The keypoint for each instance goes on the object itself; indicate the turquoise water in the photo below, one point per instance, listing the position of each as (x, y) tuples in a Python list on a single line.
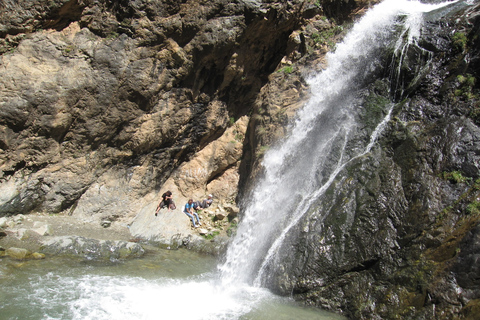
[(165, 284)]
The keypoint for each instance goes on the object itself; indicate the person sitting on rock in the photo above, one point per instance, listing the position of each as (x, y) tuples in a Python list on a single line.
[(190, 213), (167, 201), (204, 204)]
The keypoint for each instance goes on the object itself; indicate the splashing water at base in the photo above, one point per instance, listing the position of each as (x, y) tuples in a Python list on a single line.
[(166, 285)]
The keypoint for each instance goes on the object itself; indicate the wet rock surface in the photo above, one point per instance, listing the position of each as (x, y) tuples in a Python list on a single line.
[(396, 233)]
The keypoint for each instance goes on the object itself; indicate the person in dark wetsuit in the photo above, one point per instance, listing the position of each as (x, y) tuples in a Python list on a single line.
[(167, 201)]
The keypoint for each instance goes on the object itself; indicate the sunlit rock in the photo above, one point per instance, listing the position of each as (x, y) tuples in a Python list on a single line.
[(3, 222), (17, 253), (42, 229), (92, 249), (202, 231), (38, 256), (232, 209), (220, 215)]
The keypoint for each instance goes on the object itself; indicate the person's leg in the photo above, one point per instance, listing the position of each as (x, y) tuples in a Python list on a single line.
[(159, 207), (191, 217), (196, 215)]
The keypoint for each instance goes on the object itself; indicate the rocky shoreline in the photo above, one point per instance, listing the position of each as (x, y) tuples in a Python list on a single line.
[(38, 233), (36, 236)]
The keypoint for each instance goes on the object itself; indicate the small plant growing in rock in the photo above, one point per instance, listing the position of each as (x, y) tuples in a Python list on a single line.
[(440, 216), (475, 113), (68, 49), (459, 40), (212, 235), (112, 35), (261, 151), (467, 82), (476, 184), (454, 176), (286, 69), (474, 208), (327, 36), (239, 137)]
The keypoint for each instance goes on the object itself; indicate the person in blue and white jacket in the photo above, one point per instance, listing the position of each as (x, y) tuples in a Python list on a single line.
[(189, 211)]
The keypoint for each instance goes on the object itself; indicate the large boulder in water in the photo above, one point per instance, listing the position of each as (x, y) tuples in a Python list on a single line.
[(92, 249)]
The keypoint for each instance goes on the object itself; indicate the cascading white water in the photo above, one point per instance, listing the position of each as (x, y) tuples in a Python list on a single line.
[(320, 141)]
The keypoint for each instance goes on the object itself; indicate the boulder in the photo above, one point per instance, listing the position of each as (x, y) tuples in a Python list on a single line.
[(17, 253), (167, 228), (18, 219), (220, 215), (232, 209), (42, 229), (22, 234), (38, 256), (202, 231), (3, 222), (92, 249)]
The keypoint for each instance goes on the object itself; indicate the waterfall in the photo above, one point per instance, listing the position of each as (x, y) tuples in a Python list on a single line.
[(326, 135)]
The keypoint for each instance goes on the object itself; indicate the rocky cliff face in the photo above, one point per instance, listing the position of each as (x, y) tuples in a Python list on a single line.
[(106, 104), (103, 101)]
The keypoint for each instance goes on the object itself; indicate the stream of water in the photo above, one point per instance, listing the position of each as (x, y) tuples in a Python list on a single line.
[(181, 284)]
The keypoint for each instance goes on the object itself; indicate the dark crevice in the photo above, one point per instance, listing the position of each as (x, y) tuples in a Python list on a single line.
[(218, 174), (71, 201), (18, 166), (61, 18), (365, 265)]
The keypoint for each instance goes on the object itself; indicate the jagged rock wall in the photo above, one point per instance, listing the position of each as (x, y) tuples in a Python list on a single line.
[(110, 98)]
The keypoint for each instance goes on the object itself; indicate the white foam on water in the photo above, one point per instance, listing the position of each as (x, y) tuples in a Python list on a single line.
[(103, 297)]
